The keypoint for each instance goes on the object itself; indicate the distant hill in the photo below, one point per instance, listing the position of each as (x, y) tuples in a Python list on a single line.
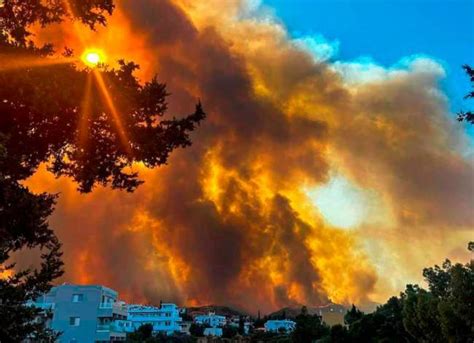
[(220, 310), (332, 313)]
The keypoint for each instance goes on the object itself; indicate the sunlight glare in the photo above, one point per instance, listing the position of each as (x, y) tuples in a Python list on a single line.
[(92, 58), (341, 203)]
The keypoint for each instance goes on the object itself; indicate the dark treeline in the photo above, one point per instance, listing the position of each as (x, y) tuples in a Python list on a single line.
[(468, 116)]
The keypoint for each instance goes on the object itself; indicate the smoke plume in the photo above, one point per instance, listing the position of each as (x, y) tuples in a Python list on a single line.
[(231, 220)]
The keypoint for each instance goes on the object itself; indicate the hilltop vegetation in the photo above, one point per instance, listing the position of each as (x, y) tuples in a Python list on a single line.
[(442, 313), (331, 314), (217, 309)]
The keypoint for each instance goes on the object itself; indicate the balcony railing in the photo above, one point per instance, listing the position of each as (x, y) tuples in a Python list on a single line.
[(103, 327), (117, 307), (116, 326), (105, 305)]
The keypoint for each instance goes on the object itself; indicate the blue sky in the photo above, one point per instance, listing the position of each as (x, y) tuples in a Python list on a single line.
[(388, 30)]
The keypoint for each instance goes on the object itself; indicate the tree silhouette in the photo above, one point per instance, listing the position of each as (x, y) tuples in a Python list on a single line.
[(443, 313), (196, 330), (50, 113), (17, 16), (353, 315), (469, 115), (309, 327), (143, 334)]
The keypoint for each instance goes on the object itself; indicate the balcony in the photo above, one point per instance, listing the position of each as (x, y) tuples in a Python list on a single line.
[(121, 326), (103, 327), (117, 326), (105, 332), (106, 305), (108, 309)]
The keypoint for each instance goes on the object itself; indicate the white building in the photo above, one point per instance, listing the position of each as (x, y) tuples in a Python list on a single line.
[(279, 325), (164, 319), (216, 332), (211, 319)]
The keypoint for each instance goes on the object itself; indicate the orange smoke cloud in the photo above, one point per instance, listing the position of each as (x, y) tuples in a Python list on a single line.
[(229, 220)]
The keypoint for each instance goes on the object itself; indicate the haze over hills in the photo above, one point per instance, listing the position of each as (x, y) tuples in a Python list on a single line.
[(332, 313), (217, 309)]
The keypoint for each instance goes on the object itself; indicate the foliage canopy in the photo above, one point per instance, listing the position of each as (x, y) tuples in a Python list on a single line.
[(50, 113)]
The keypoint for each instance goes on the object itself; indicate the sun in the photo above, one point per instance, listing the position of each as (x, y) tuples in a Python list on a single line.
[(92, 57)]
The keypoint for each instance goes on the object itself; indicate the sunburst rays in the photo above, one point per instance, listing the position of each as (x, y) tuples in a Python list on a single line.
[(12, 61), (92, 59), (116, 118), (85, 112)]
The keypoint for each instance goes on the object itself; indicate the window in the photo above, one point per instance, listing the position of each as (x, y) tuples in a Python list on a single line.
[(77, 298), (74, 321)]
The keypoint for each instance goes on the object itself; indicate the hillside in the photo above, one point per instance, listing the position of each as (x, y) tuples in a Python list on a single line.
[(332, 313), (220, 310)]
